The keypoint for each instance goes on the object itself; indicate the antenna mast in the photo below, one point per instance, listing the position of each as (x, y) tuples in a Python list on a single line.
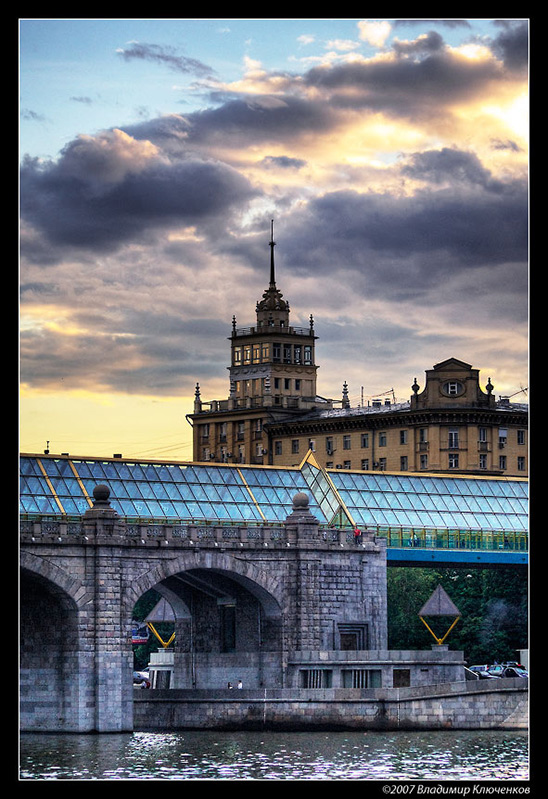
[(272, 245)]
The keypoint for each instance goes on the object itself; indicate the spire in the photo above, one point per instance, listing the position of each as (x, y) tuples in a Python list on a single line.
[(272, 301), (272, 244)]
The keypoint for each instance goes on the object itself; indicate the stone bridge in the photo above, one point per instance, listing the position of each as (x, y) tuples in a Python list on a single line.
[(246, 602)]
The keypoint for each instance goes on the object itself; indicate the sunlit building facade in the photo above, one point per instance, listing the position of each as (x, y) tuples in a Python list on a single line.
[(274, 416)]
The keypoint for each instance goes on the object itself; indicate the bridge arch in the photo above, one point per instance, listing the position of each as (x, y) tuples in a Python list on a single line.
[(51, 626), (228, 620), (265, 588), (67, 586)]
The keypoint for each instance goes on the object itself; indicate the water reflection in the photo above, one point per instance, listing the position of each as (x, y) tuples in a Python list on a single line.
[(276, 756)]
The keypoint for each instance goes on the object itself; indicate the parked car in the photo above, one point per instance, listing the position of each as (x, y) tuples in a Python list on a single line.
[(514, 671), (501, 669), (483, 672), (141, 679)]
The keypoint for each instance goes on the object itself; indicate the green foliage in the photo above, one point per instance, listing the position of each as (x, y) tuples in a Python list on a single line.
[(144, 605), (492, 603)]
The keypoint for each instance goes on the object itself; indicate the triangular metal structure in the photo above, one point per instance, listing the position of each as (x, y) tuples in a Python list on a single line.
[(439, 604), (162, 611)]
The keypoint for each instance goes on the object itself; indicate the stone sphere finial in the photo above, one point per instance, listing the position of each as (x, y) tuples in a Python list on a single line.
[(101, 493), (300, 501)]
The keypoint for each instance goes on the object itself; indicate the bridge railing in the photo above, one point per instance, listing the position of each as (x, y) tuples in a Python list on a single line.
[(63, 528)]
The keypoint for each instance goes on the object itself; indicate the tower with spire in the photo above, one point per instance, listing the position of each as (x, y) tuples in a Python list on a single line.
[(272, 376)]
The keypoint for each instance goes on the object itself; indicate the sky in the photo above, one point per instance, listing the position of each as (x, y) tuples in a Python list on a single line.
[(391, 154)]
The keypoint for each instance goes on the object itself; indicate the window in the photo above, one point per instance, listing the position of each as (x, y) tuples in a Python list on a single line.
[(365, 440), (256, 353), (237, 356), (308, 355), (297, 353), (247, 354), (241, 431), (346, 442), (424, 462), (361, 678), (453, 460), (452, 388), (503, 436), (329, 445), (347, 465), (312, 444), (277, 447), (297, 385), (483, 461), (287, 383), (401, 678), (287, 353), (266, 352), (382, 439), (521, 463), (453, 441), (482, 434), (521, 436), (403, 463), (295, 446), (365, 464), (277, 353), (423, 435), (316, 678), (403, 436), (382, 464), (502, 461)]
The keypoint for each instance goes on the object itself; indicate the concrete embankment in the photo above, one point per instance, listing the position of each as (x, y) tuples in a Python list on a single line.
[(489, 704)]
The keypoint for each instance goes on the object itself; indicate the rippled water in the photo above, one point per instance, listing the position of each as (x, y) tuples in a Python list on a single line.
[(276, 756)]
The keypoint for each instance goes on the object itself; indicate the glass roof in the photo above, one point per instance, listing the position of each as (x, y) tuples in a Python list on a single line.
[(239, 494)]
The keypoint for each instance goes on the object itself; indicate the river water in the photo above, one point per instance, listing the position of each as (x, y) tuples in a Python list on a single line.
[(207, 755)]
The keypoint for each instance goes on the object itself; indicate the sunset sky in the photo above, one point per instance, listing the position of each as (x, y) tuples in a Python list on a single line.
[(391, 154)]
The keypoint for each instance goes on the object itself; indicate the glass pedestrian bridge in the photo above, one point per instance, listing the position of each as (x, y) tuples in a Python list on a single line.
[(427, 519)]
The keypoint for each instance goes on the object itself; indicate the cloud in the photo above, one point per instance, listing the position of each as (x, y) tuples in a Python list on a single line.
[(400, 206), (374, 32), (512, 44), (106, 189), (165, 56)]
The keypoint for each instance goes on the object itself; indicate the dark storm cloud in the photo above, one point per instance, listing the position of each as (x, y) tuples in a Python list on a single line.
[(405, 86), (165, 56), (282, 161), (408, 244), (449, 164), (512, 45), (81, 208), (260, 119)]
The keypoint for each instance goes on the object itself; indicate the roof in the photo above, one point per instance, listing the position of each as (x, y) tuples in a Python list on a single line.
[(239, 494)]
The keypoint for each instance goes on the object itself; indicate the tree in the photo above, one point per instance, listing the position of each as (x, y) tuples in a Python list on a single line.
[(492, 602)]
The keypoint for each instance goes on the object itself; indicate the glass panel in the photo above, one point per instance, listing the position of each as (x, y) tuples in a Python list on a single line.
[(28, 505), (28, 466)]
